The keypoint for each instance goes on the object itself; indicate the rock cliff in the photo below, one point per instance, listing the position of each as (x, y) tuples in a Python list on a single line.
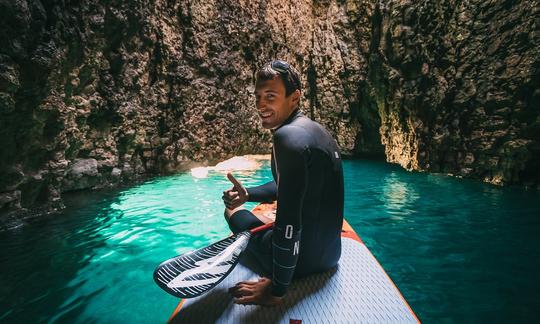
[(97, 93), (457, 86)]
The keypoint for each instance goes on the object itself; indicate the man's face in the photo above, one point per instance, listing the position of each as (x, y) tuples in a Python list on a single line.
[(272, 105)]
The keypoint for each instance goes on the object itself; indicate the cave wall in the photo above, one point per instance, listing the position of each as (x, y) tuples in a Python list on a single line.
[(97, 93), (457, 86)]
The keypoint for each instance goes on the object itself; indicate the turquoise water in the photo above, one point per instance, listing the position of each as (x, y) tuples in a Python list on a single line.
[(458, 250)]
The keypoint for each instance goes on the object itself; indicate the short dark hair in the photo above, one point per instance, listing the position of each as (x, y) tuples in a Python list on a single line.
[(284, 70)]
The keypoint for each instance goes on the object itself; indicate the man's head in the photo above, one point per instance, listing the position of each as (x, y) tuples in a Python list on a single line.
[(277, 92)]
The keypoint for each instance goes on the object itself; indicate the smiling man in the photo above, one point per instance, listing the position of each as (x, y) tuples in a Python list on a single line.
[(308, 186)]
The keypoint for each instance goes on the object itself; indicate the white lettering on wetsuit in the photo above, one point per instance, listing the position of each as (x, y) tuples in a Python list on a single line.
[(288, 232), (285, 253)]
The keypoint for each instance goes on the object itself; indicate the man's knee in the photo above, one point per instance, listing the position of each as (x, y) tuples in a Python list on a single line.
[(229, 212), (241, 219)]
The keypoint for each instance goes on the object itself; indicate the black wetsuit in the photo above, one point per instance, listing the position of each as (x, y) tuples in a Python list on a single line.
[(308, 186)]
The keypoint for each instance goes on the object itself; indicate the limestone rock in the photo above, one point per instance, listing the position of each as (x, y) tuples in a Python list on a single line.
[(456, 86), (82, 174), (10, 200), (116, 172), (136, 88), (83, 167)]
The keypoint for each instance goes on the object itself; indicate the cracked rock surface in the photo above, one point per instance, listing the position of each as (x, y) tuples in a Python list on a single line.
[(457, 87)]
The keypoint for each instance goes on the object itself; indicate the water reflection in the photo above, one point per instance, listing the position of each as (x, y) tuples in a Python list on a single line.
[(399, 197)]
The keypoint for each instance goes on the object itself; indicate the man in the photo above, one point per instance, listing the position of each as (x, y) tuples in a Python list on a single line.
[(308, 186)]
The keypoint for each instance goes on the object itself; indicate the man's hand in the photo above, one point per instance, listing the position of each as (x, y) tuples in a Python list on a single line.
[(236, 196), (255, 293)]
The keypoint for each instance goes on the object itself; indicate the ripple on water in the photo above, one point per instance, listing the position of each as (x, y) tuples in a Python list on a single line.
[(455, 248)]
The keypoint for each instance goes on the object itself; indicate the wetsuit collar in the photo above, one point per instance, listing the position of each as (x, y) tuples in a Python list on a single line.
[(296, 113)]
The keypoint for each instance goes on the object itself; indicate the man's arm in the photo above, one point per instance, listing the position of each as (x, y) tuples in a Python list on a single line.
[(292, 180), (263, 193)]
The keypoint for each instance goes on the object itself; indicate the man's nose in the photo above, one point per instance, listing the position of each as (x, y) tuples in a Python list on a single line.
[(260, 104)]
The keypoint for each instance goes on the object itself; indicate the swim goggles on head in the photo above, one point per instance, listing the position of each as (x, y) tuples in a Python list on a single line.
[(285, 69)]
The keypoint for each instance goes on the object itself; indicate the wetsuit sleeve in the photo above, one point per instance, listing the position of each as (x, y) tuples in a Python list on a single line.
[(263, 193), (292, 183)]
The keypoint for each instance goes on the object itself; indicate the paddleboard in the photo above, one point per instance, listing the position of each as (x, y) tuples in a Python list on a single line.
[(358, 290)]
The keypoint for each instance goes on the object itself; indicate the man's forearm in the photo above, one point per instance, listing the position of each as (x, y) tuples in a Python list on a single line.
[(263, 193), (285, 249)]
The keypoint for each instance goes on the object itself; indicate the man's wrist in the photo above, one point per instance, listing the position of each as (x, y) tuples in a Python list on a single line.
[(278, 291)]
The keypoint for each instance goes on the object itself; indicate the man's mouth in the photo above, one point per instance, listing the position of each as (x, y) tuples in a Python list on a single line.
[(265, 115)]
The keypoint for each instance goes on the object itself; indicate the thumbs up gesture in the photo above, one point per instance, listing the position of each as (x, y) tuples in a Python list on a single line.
[(235, 196)]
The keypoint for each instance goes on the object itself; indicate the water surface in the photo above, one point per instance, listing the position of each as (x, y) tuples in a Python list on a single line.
[(458, 250)]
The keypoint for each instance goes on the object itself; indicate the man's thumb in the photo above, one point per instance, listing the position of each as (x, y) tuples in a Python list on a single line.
[(235, 182)]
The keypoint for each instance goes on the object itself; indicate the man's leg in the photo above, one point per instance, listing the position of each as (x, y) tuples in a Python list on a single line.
[(241, 219), (260, 245), (228, 212)]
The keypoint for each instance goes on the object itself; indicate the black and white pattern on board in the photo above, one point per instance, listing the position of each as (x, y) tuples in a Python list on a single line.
[(194, 273)]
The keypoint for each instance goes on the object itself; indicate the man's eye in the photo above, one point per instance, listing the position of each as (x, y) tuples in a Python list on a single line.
[(269, 97)]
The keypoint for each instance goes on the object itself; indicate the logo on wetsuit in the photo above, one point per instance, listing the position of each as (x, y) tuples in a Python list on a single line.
[(288, 235)]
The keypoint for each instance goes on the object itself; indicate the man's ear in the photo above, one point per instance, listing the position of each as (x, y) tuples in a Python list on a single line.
[(296, 97)]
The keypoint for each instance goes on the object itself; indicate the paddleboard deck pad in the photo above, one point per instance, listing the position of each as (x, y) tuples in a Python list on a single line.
[(358, 290)]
